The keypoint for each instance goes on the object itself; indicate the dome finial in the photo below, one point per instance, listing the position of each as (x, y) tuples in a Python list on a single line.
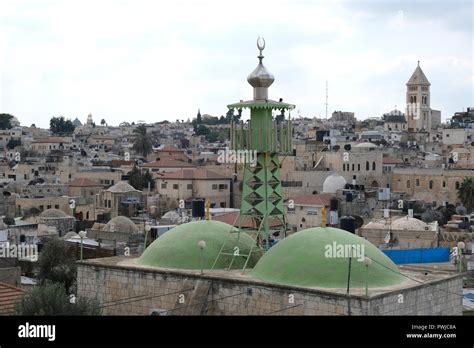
[(261, 45), (260, 79), (418, 63)]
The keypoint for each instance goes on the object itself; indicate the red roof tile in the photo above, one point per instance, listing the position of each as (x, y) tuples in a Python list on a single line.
[(319, 199), (83, 182), (9, 296), (168, 163)]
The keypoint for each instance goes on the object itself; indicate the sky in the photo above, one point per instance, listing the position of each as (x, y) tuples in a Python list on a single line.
[(163, 60)]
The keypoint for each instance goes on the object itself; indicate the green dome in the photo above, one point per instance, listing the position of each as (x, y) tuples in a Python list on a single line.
[(313, 258), (178, 248)]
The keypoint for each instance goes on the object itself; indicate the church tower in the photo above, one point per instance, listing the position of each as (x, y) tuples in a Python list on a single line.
[(418, 102)]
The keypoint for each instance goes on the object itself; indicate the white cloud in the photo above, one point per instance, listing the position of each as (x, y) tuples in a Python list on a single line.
[(158, 60)]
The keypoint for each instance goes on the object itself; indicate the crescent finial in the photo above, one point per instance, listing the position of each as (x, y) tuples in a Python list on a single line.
[(261, 44)]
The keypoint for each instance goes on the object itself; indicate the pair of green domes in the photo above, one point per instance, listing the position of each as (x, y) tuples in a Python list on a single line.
[(315, 257)]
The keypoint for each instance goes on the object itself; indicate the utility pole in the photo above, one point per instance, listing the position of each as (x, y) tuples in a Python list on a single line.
[(326, 99)]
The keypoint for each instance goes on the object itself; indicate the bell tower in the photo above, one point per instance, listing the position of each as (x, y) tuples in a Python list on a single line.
[(418, 102)]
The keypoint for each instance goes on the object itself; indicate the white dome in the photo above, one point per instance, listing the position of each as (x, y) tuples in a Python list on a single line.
[(376, 225), (333, 183), (365, 145), (121, 224), (408, 223), (122, 187)]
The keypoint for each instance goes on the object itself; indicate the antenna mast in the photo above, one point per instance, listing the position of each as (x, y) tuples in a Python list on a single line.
[(326, 99)]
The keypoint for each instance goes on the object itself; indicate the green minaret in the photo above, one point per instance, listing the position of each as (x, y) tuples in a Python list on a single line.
[(262, 194)]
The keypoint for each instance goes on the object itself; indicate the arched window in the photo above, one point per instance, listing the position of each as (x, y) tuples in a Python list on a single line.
[(457, 185), (431, 184), (367, 166), (358, 167), (353, 166), (373, 165)]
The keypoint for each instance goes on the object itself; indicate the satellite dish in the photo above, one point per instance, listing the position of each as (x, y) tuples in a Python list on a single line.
[(336, 147), (347, 147), (358, 221)]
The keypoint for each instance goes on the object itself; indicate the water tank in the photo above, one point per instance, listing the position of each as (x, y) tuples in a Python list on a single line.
[(334, 204), (198, 208), (349, 197), (347, 223)]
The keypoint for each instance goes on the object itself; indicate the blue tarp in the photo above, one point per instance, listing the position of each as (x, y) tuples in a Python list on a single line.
[(418, 255)]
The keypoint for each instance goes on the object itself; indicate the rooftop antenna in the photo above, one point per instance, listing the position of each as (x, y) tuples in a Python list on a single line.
[(326, 99)]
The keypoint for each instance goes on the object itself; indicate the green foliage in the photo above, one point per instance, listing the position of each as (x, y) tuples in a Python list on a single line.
[(466, 193), (9, 221), (12, 143), (5, 121), (61, 126), (57, 264), (52, 299), (139, 180), (142, 141), (202, 130)]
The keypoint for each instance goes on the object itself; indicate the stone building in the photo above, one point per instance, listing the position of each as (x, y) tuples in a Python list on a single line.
[(306, 211), (403, 233), (119, 229), (437, 186), (62, 222), (284, 280), (83, 187), (418, 99), (120, 199), (188, 184)]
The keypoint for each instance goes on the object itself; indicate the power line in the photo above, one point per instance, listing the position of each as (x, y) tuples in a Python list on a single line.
[(144, 298), (200, 303)]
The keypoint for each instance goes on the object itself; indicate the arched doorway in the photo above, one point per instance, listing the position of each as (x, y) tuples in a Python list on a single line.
[(375, 184)]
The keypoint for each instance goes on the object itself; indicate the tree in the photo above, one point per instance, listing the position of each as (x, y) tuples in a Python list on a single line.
[(135, 178), (198, 117), (9, 221), (33, 125), (212, 137), (12, 143), (61, 126), (142, 142), (102, 123), (5, 121), (466, 193), (52, 299), (140, 180), (202, 130), (57, 264)]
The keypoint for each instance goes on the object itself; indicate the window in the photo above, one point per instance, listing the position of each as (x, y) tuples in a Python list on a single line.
[(56, 206), (223, 187), (353, 166), (457, 185), (163, 186), (444, 183), (175, 186), (373, 165), (214, 186), (417, 182), (48, 207), (41, 207), (367, 166), (222, 204), (408, 183), (431, 184), (189, 186), (358, 167)]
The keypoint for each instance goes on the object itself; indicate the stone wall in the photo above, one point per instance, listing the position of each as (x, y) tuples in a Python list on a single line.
[(134, 290)]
